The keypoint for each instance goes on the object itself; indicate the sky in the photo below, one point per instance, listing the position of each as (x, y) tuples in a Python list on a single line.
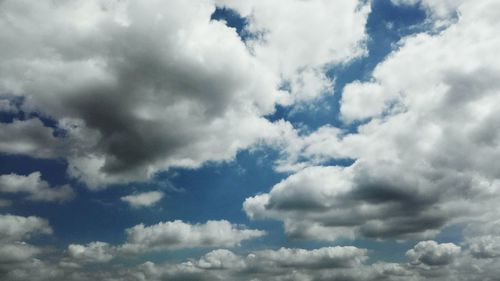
[(249, 140)]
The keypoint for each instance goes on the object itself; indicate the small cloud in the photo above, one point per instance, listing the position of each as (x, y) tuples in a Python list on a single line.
[(145, 199), (35, 188)]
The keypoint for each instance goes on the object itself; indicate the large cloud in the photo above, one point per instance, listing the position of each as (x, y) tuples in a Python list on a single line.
[(138, 87), (93, 252), (425, 156), (281, 37)]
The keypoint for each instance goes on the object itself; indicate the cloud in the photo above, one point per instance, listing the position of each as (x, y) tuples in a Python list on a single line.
[(138, 88), (17, 227), (17, 256), (5, 203), (433, 254), (424, 154), (29, 137), (144, 199), (178, 234), (486, 246), (36, 188), (93, 252), (164, 236), (284, 42), (281, 264), (6, 106), (16, 252), (427, 260)]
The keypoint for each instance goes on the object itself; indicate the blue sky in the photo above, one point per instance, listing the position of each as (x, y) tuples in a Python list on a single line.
[(334, 128)]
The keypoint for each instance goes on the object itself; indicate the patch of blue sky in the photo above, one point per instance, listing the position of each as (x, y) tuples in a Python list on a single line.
[(386, 25)]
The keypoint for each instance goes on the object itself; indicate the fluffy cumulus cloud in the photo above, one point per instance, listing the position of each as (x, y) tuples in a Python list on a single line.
[(427, 260), (143, 199), (17, 227), (18, 260), (164, 236), (178, 234), (35, 188), (433, 254), (138, 87), (29, 137), (16, 255), (425, 151), (274, 25), (92, 252)]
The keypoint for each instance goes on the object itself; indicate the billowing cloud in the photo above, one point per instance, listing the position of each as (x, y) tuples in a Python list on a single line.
[(17, 227), (336, 263), (424, 154), (433, 254), (36, 188), (178, 234), (16, 255), (16, 252), (93, 252), (164, 236), (143, 199), (427, 260), (273, 26), (135, 93)]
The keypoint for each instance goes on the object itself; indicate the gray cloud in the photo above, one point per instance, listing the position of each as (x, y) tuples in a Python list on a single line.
[(427, 260), (136, 93)]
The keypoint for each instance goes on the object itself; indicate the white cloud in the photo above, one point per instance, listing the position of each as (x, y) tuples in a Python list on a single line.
[(36, 188), (144, 199), (425, 156), (299, 47), (16, 252), (282, 264), (441, 12), (92, 252), (16, 256), (139, 88), (29, 137), (486, 246), (433, 254), (427, 260), (178, 234), (17, 227)]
